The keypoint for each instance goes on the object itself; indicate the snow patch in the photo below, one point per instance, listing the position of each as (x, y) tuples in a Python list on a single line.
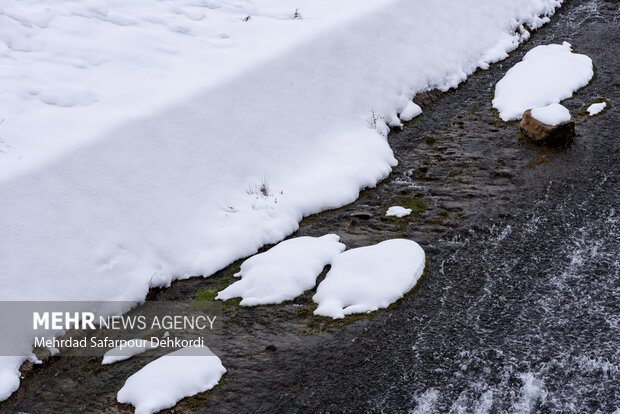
[(134, 347), (167, 380), (596, 108), (398, 211), (411, 111), (369, 278), (547, 74), (284, 271), (9, 375), (553, 114)]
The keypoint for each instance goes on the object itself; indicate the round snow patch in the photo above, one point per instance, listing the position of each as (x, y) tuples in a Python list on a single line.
[(369, 278), (167, 380)]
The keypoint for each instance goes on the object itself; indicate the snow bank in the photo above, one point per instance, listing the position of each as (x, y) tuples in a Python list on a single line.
[(596, 108), (369, 278), (284, 271), (207, 135), (135, 347), (547, 74), (9, 375), (167, 380), (553, 114), (398, 211)]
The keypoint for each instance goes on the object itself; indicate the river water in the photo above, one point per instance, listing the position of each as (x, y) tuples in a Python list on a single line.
[(520, 309)]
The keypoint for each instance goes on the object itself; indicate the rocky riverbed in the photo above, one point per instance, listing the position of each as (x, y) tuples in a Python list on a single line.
[(519, 309)]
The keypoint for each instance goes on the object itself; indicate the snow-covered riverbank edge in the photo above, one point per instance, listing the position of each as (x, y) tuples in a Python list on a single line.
[(180, 193)]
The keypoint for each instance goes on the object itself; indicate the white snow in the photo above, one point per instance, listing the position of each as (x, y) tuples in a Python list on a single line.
[(9, 375), (596, 108), (398, 211), (411, 111), (167, 380), (547, 74), (137, 134), (369, 278), (121, 353), (553, 114), (284, 271)]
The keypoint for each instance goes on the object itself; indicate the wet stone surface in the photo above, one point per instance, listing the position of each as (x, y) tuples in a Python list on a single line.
[(519, 310)]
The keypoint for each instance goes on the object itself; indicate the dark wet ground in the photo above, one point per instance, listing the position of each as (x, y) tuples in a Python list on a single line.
[(520, 307)]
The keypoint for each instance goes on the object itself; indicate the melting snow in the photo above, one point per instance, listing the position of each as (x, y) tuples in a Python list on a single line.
[(411, 111), (596, 108), (547, 74), (284, 271), (398, 211), (369, 278), (167, 380), (9, 375), (553, 114)]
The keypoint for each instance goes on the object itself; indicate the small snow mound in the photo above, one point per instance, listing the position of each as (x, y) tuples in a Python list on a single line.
[(596, 108), (167, 380), (411, 111), (369, 278), (553, 114), (548, 74), (398, 211), (134, 347), (284, 271)]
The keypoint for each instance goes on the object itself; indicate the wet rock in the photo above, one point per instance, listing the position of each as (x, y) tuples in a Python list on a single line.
[(502, 173), (427, 98), (42, 354), (541, 133), (26, 367), (364, 215)]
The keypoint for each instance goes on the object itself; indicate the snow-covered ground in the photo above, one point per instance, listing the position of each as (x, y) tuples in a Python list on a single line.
[(369, 278), (284, 271), (167, 380), (546, 75), (553, 114), (142, 142)]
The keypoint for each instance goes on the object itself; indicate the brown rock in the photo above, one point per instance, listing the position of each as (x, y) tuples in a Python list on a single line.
[(427, 98), (540, 133)]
